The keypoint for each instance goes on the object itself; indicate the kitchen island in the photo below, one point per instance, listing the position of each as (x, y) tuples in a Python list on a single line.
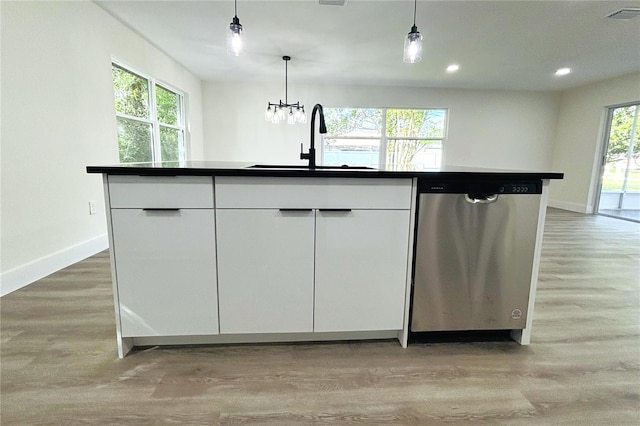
[(213, 252)]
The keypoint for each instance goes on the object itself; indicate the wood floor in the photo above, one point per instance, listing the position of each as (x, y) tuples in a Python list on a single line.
[(59, 363)]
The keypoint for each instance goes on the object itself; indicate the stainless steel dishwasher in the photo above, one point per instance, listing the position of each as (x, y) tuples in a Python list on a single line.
[(474, 255)]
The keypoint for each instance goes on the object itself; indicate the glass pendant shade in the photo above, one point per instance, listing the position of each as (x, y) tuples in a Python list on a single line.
[(413, 46), (268, 115), (300, 116), (291, 117), (235, 41), (303, 117)]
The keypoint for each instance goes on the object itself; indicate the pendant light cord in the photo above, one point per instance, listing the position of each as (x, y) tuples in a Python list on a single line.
[(235, 8), (415, 7), (286, 73)]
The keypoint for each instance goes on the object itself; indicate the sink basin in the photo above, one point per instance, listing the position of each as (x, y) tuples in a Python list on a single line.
[(293, 166)]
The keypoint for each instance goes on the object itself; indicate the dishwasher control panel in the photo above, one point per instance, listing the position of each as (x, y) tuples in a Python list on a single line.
[(520, 188), (534, 187)]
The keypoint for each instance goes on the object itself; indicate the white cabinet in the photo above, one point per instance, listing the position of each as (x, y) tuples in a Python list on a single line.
[(257, 258), (265, 272), (312, 254), (164, 255), (360, 269)]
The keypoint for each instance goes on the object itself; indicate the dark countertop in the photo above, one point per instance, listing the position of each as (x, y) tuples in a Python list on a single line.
[(220, 168)]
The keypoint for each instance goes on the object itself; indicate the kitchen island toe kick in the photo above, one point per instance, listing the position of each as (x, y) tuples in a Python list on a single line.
[(223, 255), (264, 338)]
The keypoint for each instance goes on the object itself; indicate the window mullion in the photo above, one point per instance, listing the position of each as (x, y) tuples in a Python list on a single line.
[(382, 155), (182, 150), (182, 118), (409, 138), (133, 118), (157, 151), (180, 127), (170, 126), (373, 138)]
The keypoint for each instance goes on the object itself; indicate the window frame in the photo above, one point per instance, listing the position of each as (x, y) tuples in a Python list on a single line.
[(153, 120), (384, 139)]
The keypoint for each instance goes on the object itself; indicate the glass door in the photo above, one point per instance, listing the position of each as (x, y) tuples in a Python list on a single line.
[(620, 183)]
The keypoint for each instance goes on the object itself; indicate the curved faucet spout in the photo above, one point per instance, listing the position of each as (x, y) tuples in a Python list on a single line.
[(311, 156), (323, 126)]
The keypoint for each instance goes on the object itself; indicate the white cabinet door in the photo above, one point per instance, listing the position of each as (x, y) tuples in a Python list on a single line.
[(361, 266), (166, 271), (265, 270)]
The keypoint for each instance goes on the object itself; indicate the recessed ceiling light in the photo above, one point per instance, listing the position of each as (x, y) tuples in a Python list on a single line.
[(453, 68), (332, 2), (563, 71)]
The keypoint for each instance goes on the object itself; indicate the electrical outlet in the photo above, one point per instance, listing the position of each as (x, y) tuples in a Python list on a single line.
[(92, 207)]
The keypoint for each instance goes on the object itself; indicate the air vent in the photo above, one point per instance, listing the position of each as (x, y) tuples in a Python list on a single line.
[(626, 13), (332, 2)]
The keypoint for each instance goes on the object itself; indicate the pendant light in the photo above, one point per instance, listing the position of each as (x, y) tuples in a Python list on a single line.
[(235, 41), (413, 41), (293, 113)]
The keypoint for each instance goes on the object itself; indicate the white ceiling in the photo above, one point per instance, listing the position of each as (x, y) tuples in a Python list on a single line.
[(498, 44)]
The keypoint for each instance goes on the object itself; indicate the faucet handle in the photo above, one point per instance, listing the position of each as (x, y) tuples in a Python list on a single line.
[(303, 155)]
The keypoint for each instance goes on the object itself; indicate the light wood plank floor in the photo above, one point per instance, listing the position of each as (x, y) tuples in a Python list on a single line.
[(59, 363)]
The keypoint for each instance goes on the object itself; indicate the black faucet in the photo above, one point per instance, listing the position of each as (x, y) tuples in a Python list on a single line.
[(311, 155)]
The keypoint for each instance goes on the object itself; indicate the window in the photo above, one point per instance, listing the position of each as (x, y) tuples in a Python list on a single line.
[(394, 138), (150, 118), (620, 170)]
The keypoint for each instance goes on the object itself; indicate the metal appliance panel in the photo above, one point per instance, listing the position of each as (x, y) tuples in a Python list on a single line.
[(473, 262)]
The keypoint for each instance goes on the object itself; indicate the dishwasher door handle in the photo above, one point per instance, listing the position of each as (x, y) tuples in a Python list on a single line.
[(480, 199)]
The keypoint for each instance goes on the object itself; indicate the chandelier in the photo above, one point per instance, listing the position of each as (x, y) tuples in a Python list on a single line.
[(293, 113)]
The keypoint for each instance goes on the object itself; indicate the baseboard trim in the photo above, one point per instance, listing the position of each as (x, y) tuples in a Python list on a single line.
[(24, 275), (573, 207)]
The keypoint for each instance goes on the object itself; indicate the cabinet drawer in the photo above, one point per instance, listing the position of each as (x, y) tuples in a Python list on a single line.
[(356, 193), (161, 191)]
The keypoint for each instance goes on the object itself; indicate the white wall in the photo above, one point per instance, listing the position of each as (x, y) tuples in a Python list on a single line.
[(579, 139), (504, 129), (57, 118)]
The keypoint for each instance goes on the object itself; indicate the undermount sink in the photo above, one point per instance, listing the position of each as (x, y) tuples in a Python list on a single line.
[(293, 166)]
